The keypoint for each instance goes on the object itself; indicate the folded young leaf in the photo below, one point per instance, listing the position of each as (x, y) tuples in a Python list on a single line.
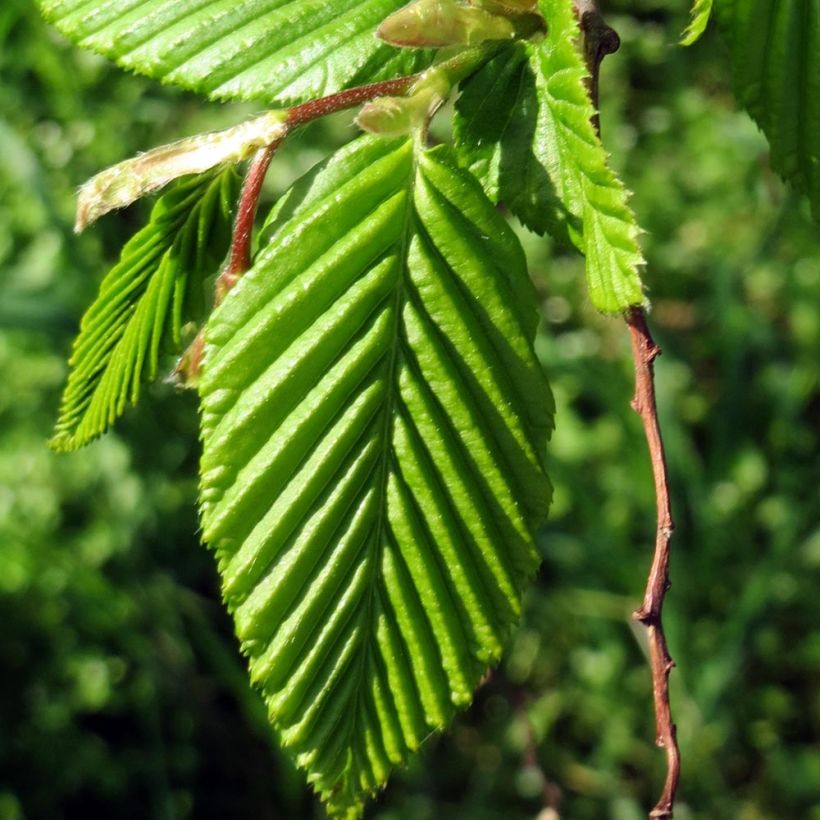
[(775, 50), (523, 126), (374, 422), (143, 303), (281, 52), (701, 13)]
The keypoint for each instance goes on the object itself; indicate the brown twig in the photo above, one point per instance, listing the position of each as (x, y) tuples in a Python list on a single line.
[(645, 351), (351, 97), (599, 40), (189, 365), (239, 260)]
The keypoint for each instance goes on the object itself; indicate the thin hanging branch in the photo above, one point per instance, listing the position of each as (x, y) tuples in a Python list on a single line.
[(644, 352), (600, 40)]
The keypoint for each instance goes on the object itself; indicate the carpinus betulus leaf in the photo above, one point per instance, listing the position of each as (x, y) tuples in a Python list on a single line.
[(374, 424)]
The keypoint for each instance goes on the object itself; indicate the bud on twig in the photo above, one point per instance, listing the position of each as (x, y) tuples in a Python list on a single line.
[(394, 116), (440, 23)]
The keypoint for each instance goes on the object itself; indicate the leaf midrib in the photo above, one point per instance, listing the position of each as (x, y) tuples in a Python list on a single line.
[(387, 437)]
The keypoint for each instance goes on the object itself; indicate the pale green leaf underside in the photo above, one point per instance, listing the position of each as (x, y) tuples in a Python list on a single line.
[(142, 305), (775, 50), (374, 423), (523, 126), (699, 19), (277, 51)]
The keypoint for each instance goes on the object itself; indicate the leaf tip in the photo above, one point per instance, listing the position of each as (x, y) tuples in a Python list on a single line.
[(63, 442)]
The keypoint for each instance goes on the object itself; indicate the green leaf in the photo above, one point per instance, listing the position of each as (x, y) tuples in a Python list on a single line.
[(775, 51), (374, 422), (524, 127), (701, 12), (143, 303), (278, 51), (497, 127)]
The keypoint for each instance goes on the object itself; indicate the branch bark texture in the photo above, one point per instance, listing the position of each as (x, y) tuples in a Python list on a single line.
[(644, 352)]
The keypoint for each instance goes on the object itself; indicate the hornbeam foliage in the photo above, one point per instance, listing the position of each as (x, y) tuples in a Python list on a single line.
[(277, 51), (374, 419), (524, 128), (143, 304), (775, 48), (373, 424), (701, 13)]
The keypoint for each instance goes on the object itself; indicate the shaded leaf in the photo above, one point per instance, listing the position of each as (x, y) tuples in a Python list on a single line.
[(524, 128), (497, 127), (374, 423), (775, 50)]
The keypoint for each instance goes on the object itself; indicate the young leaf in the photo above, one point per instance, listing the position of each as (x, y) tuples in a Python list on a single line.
[(775, 50), (374, 423), (281, 52), (143, 303), (524, 127), (701, 12)]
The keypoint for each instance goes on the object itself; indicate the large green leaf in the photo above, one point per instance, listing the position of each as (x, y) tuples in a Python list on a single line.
[(277, 51), (775, 50), (374, 423), (143, 303), (524, 127)]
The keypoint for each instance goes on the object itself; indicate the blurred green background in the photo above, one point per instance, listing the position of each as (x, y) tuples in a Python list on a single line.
[(121, 690)]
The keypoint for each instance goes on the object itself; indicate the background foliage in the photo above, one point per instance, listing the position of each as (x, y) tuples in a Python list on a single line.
[(121, 689)]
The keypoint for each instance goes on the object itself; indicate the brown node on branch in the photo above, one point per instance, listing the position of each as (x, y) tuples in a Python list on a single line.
[(600, 39)]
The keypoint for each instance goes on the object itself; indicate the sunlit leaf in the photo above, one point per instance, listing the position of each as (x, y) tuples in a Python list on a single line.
[(374, 423), (524, 128), (700, 15), (277, 51)]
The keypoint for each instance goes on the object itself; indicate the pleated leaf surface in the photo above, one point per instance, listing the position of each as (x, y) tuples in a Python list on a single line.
[(277, 51), (143, 303), (374, 423), (498, 133), (523, 126), (775, 51)]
